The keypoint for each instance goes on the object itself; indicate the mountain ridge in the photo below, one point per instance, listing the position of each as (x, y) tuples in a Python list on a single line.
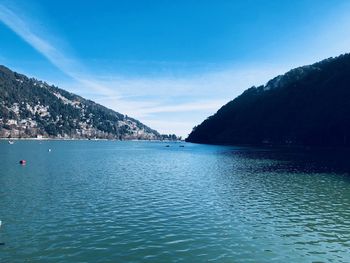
[(308, 105), (31, 108)]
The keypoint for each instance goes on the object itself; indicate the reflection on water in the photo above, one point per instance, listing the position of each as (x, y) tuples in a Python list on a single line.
[(143, 202), (301, 160)]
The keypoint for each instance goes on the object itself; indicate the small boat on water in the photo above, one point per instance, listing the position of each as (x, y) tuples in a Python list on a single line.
[(11, 142)]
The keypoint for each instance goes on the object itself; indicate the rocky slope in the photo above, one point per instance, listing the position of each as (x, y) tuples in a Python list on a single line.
[(32, 108)]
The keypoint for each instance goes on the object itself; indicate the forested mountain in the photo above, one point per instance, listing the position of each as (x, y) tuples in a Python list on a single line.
[(32, 108), (309, 106)]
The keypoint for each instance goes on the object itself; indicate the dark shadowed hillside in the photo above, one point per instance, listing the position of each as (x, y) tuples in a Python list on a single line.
[(32, 108), (308, 105)]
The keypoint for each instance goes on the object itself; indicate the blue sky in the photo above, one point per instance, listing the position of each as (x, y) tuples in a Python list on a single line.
[(169, 64)]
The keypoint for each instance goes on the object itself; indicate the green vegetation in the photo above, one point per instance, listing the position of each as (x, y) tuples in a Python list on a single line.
[(307, 106), (31, 108)]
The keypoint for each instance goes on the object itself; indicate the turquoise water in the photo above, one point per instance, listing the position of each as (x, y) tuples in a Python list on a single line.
[(108, 201)]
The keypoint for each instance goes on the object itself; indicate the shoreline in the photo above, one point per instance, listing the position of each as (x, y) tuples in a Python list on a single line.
[(277, 146), (83, 139)]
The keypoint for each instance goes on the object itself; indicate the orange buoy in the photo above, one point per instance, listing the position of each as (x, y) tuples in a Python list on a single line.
[(23, 162)]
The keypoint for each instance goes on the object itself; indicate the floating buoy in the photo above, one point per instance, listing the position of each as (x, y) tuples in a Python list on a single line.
[(1, 244), (23, 162), (49, 150)]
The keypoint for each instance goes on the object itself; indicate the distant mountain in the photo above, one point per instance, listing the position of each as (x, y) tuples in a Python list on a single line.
[(307, 106), (31, 108)]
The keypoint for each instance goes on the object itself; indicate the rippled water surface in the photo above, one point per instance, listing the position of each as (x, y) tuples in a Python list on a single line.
[(105, 201)]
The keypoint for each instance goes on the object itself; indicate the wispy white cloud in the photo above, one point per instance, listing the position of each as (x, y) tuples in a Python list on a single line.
[(148, 108), (68, 65), (202, 92)]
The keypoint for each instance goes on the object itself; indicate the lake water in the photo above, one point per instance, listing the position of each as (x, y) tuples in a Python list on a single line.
[(108, 201)]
